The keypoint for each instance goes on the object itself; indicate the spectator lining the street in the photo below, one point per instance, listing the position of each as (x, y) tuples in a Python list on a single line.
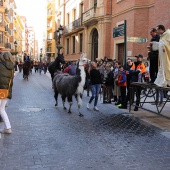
[(6, 82), (95, 78), (122, 84)]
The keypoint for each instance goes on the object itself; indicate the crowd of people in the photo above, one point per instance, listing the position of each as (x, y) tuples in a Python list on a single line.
[(116, 78), (108, 76)]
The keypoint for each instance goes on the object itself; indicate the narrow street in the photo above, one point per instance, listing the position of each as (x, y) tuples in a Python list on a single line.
[(46, 137)]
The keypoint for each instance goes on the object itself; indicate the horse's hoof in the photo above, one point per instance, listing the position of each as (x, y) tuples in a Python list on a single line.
[(64, 108), (56, 104), (81, 115), (69, 111)]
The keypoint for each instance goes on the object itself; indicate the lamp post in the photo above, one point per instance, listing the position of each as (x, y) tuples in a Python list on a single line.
[(15, 44), (40, 54), (59, 33)]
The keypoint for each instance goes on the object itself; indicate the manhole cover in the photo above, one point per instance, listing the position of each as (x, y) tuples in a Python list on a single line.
[(31, 109)]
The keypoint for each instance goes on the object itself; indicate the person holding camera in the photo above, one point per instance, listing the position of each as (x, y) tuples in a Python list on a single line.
[(153, 56), (163, 77)]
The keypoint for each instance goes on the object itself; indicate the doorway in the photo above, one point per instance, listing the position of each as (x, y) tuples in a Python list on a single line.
[(94, 50), (120, 57)]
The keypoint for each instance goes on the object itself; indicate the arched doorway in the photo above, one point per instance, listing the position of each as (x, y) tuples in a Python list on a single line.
[(94, 47)]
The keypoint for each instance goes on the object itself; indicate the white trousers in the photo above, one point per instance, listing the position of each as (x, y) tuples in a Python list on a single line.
[(3, 113)]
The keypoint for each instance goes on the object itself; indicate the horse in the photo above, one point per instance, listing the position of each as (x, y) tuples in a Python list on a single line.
[(26, 69), (56, 65), (68, 85)]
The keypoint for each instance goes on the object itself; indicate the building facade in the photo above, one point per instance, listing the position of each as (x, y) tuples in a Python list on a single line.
[(89, 24), (51, 27)]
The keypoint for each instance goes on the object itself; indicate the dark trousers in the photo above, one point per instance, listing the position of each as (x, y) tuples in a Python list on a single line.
[(153, 69), (123, 94), (138, 93)]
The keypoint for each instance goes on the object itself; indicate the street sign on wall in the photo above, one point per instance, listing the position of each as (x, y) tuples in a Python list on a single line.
[(118, 31), (137, 39)]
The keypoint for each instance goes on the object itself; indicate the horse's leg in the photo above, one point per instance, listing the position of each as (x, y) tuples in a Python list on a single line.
[(69, 98), (56, 98), (79, 103), (63, 100)]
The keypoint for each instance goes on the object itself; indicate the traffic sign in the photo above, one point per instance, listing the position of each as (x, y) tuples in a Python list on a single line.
[(118, 31), (137, 39)]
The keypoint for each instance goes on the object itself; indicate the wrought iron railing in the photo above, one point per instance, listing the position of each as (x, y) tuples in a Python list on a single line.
[(74, 25), (49, 49), (90, 13)]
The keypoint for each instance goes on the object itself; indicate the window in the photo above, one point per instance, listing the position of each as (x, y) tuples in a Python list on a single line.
[(1, 37), (68, 18), (81, 9), (58, 23), (67, 45), (81, 42), (74, 14), (74, 44), (1, 18), (1, 2)]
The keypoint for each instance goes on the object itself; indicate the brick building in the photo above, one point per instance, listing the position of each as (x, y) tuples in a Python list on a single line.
[(88, 26)]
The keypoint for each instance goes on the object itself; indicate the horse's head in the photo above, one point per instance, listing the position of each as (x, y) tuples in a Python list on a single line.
[(60, 58)]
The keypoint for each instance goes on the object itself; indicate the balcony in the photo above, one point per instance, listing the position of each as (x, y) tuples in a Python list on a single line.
[(6, 11), (73, 27), (7, 31), (49, 50), (7, 17), (8, 45), (90, 16)]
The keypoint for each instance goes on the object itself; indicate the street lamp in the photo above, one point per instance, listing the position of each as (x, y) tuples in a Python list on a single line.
[(59, 33), (15, 44)]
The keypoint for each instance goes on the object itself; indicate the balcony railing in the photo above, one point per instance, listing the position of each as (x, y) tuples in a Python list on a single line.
[(89, 14), (8, 30), (8, 45), (49, 50), (74, 25)]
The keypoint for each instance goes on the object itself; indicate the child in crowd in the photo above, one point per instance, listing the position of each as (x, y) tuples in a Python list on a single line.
[(122, 84)]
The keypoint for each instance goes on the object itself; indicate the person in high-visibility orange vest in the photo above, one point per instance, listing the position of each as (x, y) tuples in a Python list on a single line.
[(136, 72)]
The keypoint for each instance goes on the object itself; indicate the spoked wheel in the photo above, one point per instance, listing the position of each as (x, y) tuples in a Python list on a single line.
[(149, 92)]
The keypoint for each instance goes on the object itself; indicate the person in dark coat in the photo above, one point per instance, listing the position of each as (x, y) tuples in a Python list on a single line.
[(108, 84), (153, 56), (95, 78), (26, 57), (6, 82)]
